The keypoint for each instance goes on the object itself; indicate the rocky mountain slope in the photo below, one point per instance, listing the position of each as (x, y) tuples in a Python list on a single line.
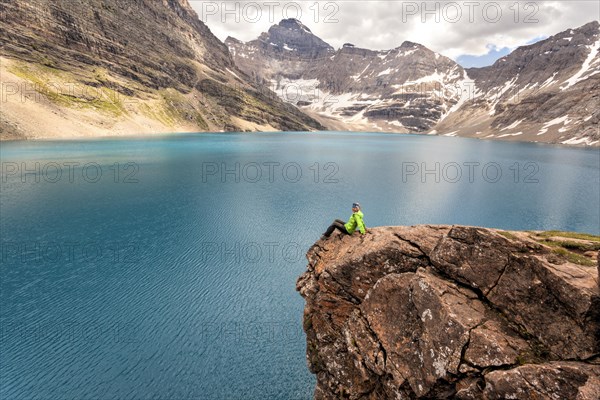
[(76, 68), (548, 91), (453, 312), (545, 92)]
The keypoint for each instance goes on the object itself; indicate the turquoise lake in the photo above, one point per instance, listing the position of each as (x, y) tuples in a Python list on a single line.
[(165, 267)]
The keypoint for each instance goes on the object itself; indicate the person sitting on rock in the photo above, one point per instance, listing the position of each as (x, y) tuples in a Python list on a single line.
[(355, 221)]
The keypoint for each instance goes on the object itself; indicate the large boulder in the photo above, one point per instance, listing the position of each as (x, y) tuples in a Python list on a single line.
[(449, 312)]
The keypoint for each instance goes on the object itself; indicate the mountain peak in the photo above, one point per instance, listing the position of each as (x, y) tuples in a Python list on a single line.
[(294, 24), (591, 24), (292, 38), (411, 45), (231, 39)]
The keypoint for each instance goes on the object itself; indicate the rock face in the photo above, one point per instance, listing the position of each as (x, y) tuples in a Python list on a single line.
[(547, 92), (449, 312), (114, 65)]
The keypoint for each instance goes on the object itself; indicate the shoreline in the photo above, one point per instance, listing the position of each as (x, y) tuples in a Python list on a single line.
[(143, 135)]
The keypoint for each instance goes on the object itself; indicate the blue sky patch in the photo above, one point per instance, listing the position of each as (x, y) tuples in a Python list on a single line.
[(494, 53)]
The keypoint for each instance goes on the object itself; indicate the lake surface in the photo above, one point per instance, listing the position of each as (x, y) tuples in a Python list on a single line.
[(165, 267)]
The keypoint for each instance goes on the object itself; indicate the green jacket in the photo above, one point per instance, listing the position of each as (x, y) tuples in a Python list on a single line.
[(356, 221)]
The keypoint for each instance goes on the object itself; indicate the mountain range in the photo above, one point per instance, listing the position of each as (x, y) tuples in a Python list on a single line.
[(547, 91), (116, 67)]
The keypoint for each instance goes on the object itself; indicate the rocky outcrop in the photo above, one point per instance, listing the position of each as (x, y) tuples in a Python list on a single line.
[(450, 312)]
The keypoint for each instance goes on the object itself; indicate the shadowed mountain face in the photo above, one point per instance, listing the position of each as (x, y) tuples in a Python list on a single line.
[(130, 65), (544, 92)]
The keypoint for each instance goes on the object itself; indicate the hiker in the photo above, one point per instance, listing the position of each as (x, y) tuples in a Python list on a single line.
[(356, 221)]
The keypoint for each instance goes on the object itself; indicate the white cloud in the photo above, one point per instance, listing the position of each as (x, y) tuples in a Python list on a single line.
[(386, 24)]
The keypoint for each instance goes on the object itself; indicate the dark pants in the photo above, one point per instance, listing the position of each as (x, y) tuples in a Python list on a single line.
[(337, 224)]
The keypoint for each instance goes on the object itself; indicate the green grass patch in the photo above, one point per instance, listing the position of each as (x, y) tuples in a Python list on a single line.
[(66, 90), (157, 113), (570, 235), (577, 246), (574, 257), (508, 235), (172, 109)]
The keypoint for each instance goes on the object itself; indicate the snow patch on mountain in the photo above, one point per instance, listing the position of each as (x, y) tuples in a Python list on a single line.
[(386, 72), (466, 90), (555, 121), (585, 67), (512, 126), (581, 140), (510, 134)]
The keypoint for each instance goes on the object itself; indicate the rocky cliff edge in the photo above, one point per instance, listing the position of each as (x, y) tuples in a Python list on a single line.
[(453, 312)]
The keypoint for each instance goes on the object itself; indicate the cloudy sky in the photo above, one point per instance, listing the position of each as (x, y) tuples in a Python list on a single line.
[(474, 33)]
